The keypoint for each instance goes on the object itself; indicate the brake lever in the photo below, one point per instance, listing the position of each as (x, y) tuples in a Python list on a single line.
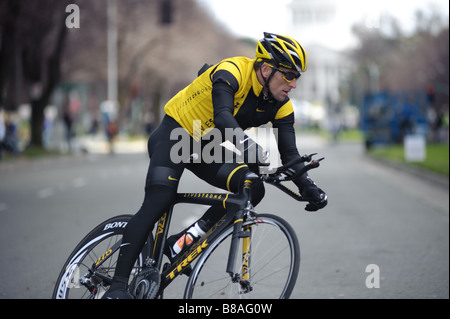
[(311, 165), (315, 163), (308, 158), (285, 172), (302, 159)]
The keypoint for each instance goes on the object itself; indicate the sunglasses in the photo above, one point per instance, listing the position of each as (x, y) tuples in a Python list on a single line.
[(287, 76)]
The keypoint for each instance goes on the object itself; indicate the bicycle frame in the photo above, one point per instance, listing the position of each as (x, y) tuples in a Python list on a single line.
[(237, 206)]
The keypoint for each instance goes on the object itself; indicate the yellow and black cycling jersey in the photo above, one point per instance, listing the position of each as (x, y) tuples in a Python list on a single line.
[(197, 109)]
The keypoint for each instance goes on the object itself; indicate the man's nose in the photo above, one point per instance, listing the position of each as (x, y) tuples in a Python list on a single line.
[(293, 84)]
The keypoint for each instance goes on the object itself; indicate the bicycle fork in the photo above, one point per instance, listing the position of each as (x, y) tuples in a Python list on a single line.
[(241, 232)]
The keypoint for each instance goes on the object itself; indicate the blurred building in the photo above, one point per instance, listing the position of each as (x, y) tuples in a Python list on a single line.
[(320, 28)]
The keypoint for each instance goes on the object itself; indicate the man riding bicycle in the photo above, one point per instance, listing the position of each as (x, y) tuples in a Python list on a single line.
[(237, 93)]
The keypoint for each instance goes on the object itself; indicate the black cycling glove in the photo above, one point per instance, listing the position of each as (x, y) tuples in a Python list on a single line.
[(314, 195)]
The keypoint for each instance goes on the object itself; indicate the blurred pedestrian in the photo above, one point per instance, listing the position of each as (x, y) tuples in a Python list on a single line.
[(68, 124), (108, 111), (112, 130), (11, 139)]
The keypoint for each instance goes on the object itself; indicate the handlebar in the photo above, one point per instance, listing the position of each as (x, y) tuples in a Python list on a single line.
[(284, 173), (287, 173)]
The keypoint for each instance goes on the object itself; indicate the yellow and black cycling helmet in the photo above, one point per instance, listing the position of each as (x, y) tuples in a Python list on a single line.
[(285, 51)]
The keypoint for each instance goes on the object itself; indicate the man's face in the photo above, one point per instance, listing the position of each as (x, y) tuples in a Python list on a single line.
[(279, 86)]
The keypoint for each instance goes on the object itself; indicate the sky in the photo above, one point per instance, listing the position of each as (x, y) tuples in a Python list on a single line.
[(250, 18)]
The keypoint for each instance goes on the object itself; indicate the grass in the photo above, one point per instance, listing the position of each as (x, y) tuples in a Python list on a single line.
[(437, 157)]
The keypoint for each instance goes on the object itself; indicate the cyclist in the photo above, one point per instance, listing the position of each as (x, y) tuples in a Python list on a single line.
[(236, 93)]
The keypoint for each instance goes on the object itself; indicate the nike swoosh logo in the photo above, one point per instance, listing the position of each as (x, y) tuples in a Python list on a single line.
[(244, 140), (258, 110), (172, 179)]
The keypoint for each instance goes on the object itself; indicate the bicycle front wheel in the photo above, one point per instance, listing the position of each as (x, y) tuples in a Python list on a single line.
[(88, 271), (267, 264)]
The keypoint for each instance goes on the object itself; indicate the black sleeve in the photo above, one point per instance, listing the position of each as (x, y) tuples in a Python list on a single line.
[(287, 146), (223, 91)]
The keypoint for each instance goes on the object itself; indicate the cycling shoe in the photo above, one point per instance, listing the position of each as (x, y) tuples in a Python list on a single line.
[(117, 294)]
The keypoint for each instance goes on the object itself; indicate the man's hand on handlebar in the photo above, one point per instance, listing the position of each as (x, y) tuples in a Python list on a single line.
[(314, 195), (309, 191)]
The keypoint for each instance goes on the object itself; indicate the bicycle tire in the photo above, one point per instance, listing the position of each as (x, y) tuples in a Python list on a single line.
[(209, 278), (91, 249)]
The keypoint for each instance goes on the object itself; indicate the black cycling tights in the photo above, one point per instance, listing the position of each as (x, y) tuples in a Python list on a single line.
[(138, 228)]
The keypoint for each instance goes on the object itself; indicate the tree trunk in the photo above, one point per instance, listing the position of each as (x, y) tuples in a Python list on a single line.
[(37, 121), (39, 103)]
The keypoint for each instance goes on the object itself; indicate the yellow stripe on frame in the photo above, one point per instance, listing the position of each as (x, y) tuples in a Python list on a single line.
[(224, 200)]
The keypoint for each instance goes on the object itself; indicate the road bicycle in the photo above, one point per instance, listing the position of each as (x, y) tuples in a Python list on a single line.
[(243, 255)]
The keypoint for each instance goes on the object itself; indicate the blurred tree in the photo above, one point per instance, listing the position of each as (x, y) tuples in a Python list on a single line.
[(405, 62), (9, 48), (156, 58), (166, 11), (161, 45), (32, 40)]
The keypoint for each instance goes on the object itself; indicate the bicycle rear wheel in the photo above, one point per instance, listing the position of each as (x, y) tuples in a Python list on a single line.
[(88, 271), (267, 266)]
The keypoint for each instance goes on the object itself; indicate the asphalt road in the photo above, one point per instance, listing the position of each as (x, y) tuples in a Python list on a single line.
[(384, 234)]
